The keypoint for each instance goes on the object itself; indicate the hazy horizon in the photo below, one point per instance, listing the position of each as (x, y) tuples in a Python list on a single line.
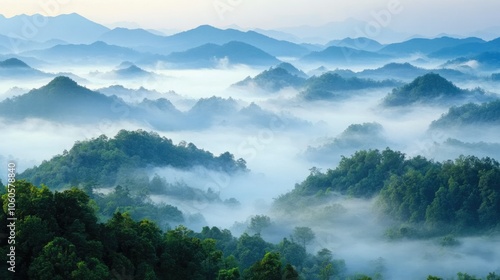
[(351, 159), (401, 18)]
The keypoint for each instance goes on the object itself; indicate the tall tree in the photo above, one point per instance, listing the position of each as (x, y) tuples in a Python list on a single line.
[(258, 223), (303, 235)]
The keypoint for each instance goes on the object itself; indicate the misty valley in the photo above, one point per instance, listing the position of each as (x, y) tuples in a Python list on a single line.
[(227, 154)]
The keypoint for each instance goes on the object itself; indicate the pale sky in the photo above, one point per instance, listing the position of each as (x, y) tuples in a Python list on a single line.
[(423, 16)]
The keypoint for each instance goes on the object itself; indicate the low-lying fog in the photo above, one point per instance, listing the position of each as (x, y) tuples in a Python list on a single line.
[(276, 156)]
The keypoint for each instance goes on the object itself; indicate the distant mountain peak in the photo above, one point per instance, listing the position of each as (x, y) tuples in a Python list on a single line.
[(13, 63), (206, 27), (125, 64), (99, 44)]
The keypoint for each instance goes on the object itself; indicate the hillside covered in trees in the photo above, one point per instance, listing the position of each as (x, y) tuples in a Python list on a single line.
[(460, 196), (59, 237), (276, 78), (428, 89), (470, 114), (100, 161), (333, 86)]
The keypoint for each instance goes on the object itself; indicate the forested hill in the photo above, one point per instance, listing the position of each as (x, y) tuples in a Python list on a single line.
[(429, 88), (470, 115), (100, 160), (333, 86), (59, 237), (456, 196), (61, 99)]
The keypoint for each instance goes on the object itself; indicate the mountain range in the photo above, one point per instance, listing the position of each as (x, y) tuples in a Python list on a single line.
[(53, 40), (406, 71), (64, 100), (205, 34), (426, 46)]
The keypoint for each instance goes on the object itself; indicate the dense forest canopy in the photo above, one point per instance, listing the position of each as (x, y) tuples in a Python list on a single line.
[(59, 237)]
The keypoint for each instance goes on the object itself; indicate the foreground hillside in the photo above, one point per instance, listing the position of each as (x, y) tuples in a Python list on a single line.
[(76, 246)]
